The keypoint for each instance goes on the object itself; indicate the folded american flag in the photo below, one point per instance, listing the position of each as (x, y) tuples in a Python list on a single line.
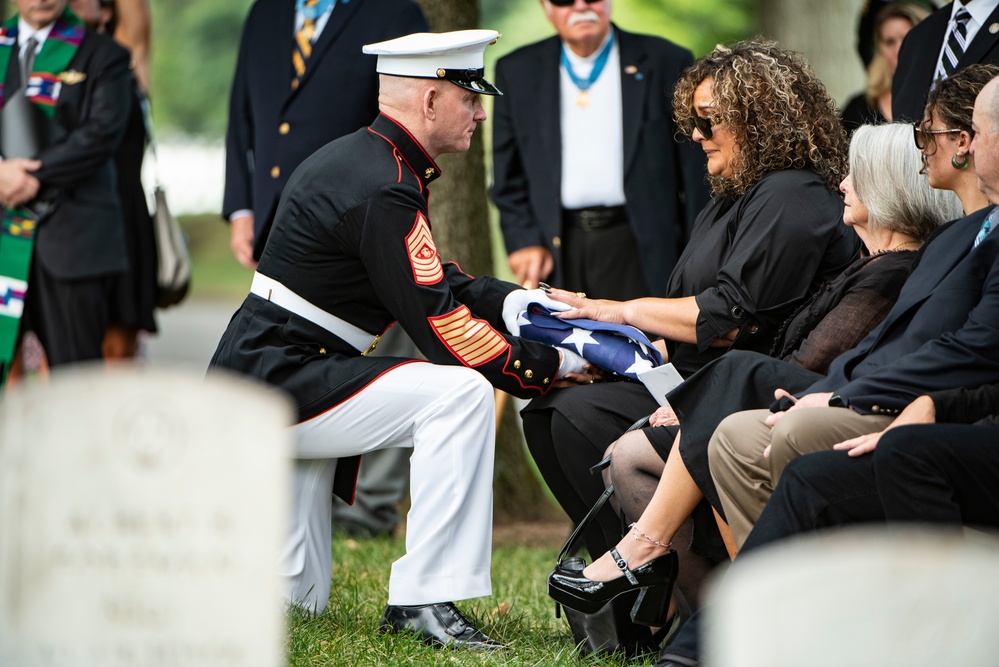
[(617, 348)]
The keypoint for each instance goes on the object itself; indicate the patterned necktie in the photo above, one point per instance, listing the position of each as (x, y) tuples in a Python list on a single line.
[(303, 45), (957, 44), (984, 231), (28, 60)]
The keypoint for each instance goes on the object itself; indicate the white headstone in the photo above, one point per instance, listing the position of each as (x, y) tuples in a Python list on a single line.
[(864, 597), (141, 519)]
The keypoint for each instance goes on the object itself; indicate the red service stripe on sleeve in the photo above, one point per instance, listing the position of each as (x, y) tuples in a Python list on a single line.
[(423, 256), (471, 340)]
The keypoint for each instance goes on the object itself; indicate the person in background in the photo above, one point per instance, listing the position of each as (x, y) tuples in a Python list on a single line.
[(957, 35), (79, 247), (596, 187), (873, 106), (301, 81)]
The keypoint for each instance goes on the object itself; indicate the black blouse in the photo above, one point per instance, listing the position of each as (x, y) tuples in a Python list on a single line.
[(843, 311), (752, 260)]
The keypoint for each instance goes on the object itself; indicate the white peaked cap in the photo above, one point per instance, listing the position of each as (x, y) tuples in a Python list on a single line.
[(456, 56)]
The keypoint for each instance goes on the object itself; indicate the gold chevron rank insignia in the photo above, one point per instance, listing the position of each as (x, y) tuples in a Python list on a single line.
[(423, 257), (471, 340)]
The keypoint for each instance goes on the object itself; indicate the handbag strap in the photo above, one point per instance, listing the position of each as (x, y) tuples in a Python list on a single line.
[(601, 501), (147, 119)]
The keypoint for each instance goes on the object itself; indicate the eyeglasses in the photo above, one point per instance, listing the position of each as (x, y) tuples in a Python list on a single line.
[(701, 123), (570, 3), (924, 137)]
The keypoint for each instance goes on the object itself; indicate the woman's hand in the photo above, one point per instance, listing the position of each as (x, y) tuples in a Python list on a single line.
[(920, 411), (664, 416), (602, 310)]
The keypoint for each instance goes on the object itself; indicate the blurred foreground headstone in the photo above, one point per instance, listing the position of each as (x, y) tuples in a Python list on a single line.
[(141, 519), (864, 597)]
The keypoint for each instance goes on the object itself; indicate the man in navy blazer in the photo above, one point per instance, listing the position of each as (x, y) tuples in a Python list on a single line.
[(273, 127), (920, 54), (614, 222)]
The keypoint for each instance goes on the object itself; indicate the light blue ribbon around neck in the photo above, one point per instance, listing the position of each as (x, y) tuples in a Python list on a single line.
[(598, 66)]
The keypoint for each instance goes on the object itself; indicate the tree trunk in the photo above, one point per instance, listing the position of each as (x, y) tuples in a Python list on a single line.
[(826, 33), (460, 218)]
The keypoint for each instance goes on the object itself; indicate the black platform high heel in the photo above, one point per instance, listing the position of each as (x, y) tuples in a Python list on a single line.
[(655, 579)]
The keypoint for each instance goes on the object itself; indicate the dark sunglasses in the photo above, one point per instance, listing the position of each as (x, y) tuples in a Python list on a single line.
[(570, 3), (924, 137), (701, 123)]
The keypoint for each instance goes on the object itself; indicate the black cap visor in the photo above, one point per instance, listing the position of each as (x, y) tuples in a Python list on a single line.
[(469, 79)]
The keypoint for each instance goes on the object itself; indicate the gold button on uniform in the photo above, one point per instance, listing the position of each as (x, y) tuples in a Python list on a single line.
[(528, 373), (556, 242), (284, 128), (322, 350), (516, 364), (275, 172), (545, 381)]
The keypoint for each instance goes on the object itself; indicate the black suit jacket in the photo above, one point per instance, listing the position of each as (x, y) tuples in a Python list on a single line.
[(273, 128), (664, 180), (942, 332), (917, 60), (84, 235)]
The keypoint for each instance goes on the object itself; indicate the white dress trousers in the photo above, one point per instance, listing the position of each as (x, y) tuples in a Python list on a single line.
[(446, 414)]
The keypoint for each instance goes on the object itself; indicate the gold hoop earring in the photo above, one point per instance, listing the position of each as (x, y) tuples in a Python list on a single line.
[(962, 164)]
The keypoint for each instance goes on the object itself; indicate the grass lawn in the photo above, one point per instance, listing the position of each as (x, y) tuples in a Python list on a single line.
[(519, 613)]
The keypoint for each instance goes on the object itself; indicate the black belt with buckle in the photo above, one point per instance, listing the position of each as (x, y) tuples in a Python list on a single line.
[(596, 217)]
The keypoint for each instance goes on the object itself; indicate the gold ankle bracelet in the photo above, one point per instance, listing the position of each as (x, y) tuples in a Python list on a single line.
[(639, 535)]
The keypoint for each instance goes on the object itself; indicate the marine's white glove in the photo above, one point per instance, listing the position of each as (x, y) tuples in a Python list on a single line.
[(569, 362), (516, 302)]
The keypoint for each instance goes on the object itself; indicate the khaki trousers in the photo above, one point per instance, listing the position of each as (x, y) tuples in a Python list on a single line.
[(746, 479)]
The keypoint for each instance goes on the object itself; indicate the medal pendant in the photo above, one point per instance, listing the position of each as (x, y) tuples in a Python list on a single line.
[(582, 99)]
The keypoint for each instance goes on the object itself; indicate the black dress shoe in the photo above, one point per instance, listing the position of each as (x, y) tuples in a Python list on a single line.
[(568, 586), (438, 625)]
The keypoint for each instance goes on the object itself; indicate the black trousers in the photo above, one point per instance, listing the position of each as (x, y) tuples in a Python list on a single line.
[(946, 474), (564, 456), (604, 263)]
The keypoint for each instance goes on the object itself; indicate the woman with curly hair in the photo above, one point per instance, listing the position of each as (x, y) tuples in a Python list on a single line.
[(769, 237)]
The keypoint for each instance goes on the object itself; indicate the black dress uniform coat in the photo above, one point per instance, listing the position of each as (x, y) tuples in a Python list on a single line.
[(917, 60), (272, 128), (352, 236), (664, 180)]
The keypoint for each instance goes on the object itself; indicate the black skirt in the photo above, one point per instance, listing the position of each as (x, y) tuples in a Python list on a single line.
[(735, 382), (602, 411), (134, 292)]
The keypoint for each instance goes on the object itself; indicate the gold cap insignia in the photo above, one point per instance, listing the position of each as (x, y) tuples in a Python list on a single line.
[(429, 172), (441, 73), (71, 76)]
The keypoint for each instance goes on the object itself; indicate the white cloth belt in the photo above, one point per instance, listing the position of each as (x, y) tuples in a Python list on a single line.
[(275, 292)]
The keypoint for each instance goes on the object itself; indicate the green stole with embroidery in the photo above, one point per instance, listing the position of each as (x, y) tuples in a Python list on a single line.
[(17, 230)]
